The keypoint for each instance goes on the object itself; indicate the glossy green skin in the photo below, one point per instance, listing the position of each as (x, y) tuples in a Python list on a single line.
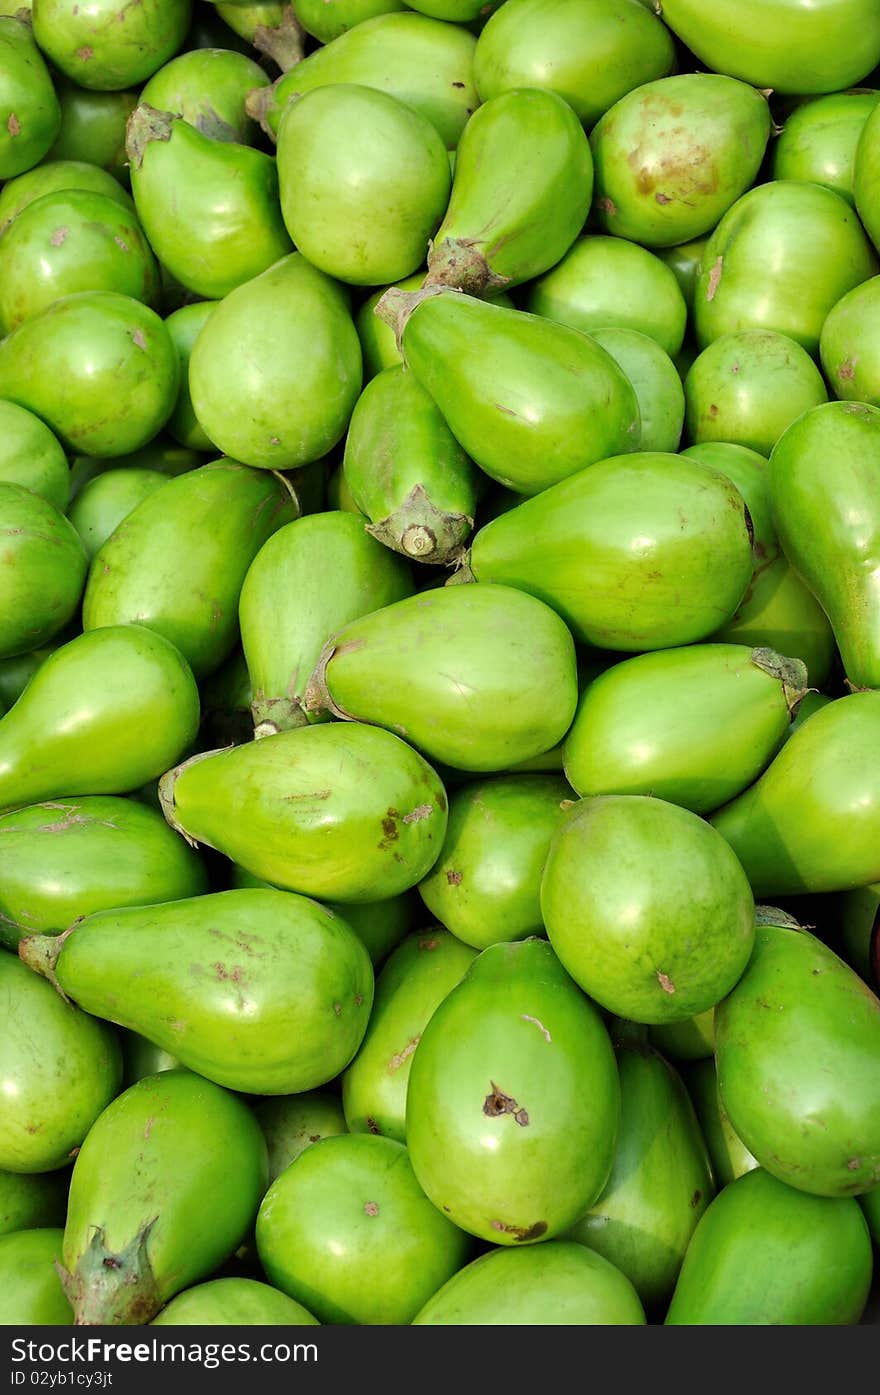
[(141, 1057), (110, 497), (174, 1150), (646, 907), (288, 612), (59, 1068), (30, 1201), (277, 371), (327, 19), (694, 726), (691, 1040), (800, 1080), (819, 139), (684, 263), (870, 1204), (43, 566), (50, 177), (178, 561), (779, 259), (747, 388), (514, 1099), (867, 168), (660, 1183), (420, 973), (730, 1156), (31, 456), (849, 346), (485, 885), (292, 1123), (105, 45), (423, 62), (209, 207), (766, 1255), (478, 677), (184, 326), (66, 859), (530, 401), (347, 1232), (378, 340), (589, 54), (655, 381), (103, 714), (285, 1009), (29, 111), (321, 810), (607, 281), (93, 128), (32, 1295), (161, 453), (208, 87), (236, 1303), (642, 551), (671, 157), (244, 17)]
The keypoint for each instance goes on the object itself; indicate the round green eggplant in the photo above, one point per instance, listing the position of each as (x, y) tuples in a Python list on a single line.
[(100, 507), (52, 176), (31, 456), (672, 156), (30, 114), (347, 1231), (420, 973), (767, 1255), (42, 565), (165, 1187), (32, 1200), (730, 1156), (326, 22), (233, 1302), (529, 400), (260, 991), (59, 1068), (477, 677), (485, 885), (797, 1044), (292, 1123), (276, 371), (30, 1290), (849, 346), (341, 811), (184, 326), (69, 858), (819, 139), (108, 44), (643, 551), (93, 129), (288, 612), (141, 1057), (98, 367), (103, 714), (647, 907), (691, 1040), (208, 88), (514, 1099), (654, 379), (693, 726)]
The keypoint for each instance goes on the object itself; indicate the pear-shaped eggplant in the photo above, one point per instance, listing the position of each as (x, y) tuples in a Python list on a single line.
[(208, 88), (819, 140), (49, 177), (30, 115), (236, 1302), (292, 1123), (30, 1290), (42, 570), (106, 500), (31, 456), (32, 1200), (730, 1156)]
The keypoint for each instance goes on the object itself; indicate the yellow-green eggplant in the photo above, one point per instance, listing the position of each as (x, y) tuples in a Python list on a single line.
[(517, 1055), (406, 471), (30, 115), (730, 1156), (819, 139), (176, 564), (287, 611), (208, 88), (521, 193), (30, 1290), (164, 1189), (326, 22), (105, 45), (232, 1301), (184, 325), (59, 1068), (694, 726), (270, 26), (160, 453), (378, 340), (478, 677), (102, 715), (260, 991), (106, 500), (766, 1255), (31, 456), (48, 177), (797, 1044), (642, 551), (42, 570), (420, 973), (32, 1200), (342, 811), (292, 1123), (849, 345), (655, 381)]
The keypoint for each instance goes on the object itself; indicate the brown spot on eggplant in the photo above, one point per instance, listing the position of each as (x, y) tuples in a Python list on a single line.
[(665, 983), (453, 878), (371, 1208), (399, 1057), (520, 1232), (497, 1103)]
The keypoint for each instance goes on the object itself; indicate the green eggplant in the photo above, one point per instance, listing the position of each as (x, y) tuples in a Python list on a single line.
[(141, 1057), (260, 991), (30, 115), (865, 173), (643, 551), (530, 401), (165, 1187), (93, 128), (52, 176), (797, 1044), (423, 62), (589, 54), (32, 1200), (347, 1231), (848, 347), (654, 379), (870, 1204), (288, 612), (43, 566), (646, 907), (103, 714), (235, 1302), (276, 371), (485, 885), (208, 88), (184, 326), (161, 453), (206, 526), (684, 263), (661, 1179), (270, 26), (59, 1067), (341, 811), (326, 22), (30, 1290), (819, 139), (378, 340), (17, 671), (521, 193), (515, 1055), (691, 1040), (780, 259), (478, 677), (31, 456), (858, 916), (813, 702), (69, 858), (418, 975), (694, 726), (730, 1156), (209, 207), (406, 472), (106, 500), (106, 45), (766, 1255), (98, 367), (292, 1123)]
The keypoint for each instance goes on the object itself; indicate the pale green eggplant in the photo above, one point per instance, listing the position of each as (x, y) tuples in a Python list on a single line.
[(30, 115), (30, 1290), (208, 87), (819, 139), (655, 381), (240, 1302), (43, 566)]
